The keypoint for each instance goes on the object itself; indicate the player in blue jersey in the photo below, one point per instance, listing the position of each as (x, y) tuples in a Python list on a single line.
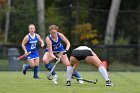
[(85, 53), (29, 45), (55, 46)]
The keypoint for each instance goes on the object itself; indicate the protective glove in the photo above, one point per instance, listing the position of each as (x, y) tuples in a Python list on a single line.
[(65, 52), (56, 59)]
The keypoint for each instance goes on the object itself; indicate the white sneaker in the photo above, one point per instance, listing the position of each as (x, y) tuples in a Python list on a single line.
[(109, 83), (80, 82), (55, 79)]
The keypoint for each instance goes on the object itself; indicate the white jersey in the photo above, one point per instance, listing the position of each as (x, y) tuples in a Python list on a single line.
[(83, 48)]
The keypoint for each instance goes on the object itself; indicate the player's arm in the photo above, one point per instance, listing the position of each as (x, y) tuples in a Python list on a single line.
[(40, 40), (65, 40), (24, 41), (49, 45)]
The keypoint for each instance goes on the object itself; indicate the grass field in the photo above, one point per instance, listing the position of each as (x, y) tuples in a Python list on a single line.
[(16, 82)]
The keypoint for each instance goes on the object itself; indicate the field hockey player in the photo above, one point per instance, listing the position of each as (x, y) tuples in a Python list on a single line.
[(85, 53), (54, 47), (29, 45)]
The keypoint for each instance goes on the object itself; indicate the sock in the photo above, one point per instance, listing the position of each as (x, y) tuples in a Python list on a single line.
[(103, 72), (36, 71), (69, 73), (27, 66), (49, 67), (76, 74)]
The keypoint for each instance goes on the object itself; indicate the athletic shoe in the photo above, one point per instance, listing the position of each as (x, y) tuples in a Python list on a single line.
[(68, 83), (24, 69), (109, 83), (36, 77), (55, 79), (80, 81)]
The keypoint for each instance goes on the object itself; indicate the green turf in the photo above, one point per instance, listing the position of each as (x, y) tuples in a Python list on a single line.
[(16, 82)]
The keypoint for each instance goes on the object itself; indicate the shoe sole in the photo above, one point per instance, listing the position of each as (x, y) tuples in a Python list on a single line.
[(109, 84), (68, 85)]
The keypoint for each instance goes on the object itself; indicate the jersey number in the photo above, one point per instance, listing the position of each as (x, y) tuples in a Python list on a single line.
[(33, 46)]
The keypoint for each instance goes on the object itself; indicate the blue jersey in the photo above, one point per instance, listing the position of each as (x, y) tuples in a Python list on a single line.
[(31, 46), (56, 45)]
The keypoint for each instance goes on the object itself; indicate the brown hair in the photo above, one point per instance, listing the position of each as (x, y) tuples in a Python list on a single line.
[(53, 27)]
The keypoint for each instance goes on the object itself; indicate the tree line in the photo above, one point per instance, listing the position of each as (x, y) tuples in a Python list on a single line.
[(82, 21), (107, 19)]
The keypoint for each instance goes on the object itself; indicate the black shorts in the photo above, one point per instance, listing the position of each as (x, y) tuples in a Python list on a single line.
[(81, 54)]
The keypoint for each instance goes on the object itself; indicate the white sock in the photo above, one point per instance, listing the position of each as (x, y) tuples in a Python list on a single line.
[(103, 72), (69, 73)]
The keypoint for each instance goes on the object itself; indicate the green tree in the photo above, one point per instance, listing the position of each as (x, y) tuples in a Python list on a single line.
[(23, 15), (2, 18), (7, 22), (87, 34)]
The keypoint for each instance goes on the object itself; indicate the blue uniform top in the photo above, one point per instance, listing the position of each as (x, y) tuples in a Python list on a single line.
[(31, 46), (56, 45)]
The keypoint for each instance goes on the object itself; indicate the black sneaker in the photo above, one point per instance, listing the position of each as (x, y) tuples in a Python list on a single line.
[(109, 83), (68, 83), (24, 70), (36, 77)]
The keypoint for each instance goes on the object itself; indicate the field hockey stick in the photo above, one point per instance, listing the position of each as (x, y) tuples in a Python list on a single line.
[(86, 80), (58, 60), (22, 56)]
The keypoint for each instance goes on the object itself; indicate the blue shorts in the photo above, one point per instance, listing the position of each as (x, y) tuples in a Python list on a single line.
[(33, 55)]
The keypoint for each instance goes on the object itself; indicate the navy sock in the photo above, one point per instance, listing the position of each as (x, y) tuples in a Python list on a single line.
[(76, 74), (36, 71), (49, 67), (27, 66)]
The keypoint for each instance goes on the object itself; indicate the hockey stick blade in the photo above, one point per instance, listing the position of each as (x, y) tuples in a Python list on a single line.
[(89, 81), (49, 78)]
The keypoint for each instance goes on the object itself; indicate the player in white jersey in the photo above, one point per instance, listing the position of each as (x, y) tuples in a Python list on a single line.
[(29, 45), (55, 46), (85, 53)]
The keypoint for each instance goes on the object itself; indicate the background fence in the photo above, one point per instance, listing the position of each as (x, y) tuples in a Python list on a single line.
[(90, 17), (119, 58)]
